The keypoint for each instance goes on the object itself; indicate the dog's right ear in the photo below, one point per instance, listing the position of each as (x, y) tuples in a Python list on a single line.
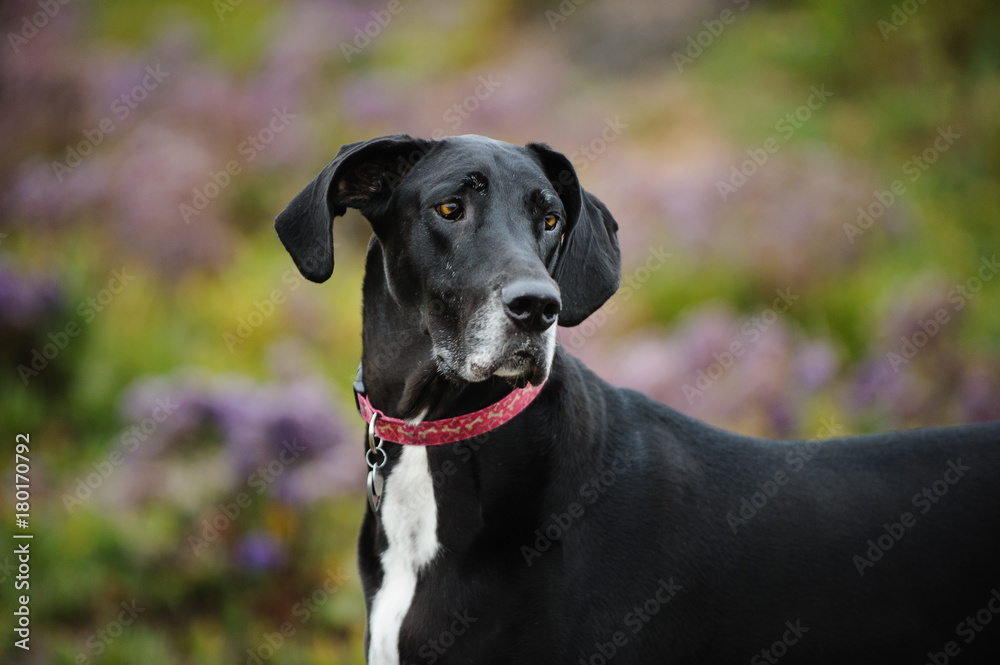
[(361, 176), (589, 270)]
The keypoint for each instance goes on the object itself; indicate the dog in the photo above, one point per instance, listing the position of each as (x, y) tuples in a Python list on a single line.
[(522, 510)]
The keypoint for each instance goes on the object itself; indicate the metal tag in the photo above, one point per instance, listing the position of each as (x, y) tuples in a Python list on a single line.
[(375, 480), (375, 484)]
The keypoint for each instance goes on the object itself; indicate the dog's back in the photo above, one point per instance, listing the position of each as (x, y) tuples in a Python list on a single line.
[(874, 549)]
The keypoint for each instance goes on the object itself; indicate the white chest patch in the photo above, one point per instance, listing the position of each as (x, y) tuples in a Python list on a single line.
[(409, 518)]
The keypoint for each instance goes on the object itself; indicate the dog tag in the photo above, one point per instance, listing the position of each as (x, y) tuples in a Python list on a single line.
[(375, 479), (375, 484)]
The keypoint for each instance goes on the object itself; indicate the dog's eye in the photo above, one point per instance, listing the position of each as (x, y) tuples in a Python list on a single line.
[(450, 211), (550, 221)]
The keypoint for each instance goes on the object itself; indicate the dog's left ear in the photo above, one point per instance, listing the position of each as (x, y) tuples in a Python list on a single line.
[(361, 176), (589, 270)]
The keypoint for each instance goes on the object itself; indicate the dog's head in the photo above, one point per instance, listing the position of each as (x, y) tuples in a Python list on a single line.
[(490, 242)]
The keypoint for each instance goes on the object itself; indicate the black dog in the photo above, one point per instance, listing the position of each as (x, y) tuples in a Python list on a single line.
[(598, 526)]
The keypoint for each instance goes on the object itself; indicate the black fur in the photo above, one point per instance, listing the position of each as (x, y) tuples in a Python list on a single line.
[(593, 273), (602, 527)]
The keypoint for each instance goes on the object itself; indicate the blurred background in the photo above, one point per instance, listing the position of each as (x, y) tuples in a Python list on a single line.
[(808, 198)]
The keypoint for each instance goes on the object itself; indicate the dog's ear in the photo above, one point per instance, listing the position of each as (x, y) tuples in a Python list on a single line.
[(361, 176), (589, 270)]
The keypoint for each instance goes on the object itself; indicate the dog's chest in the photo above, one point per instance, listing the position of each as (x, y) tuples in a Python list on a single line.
[(409, 519)]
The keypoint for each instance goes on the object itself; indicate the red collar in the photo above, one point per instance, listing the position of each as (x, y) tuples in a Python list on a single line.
[(449, 430)]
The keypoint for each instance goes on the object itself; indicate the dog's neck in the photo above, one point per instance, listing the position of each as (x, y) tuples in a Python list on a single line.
[(480, 504), (400, 374)]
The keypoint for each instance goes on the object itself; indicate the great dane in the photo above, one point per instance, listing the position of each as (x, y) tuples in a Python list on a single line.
[(522, 510)]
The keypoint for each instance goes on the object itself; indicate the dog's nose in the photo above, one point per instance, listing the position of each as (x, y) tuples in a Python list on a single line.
[(532, 304)]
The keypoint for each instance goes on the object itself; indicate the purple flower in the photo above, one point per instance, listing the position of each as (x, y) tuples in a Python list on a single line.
[(290, 429), (980, 392), (25, 301), (815, 364), (38, 194), (783, 418), (259, 551), (874, 384)]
